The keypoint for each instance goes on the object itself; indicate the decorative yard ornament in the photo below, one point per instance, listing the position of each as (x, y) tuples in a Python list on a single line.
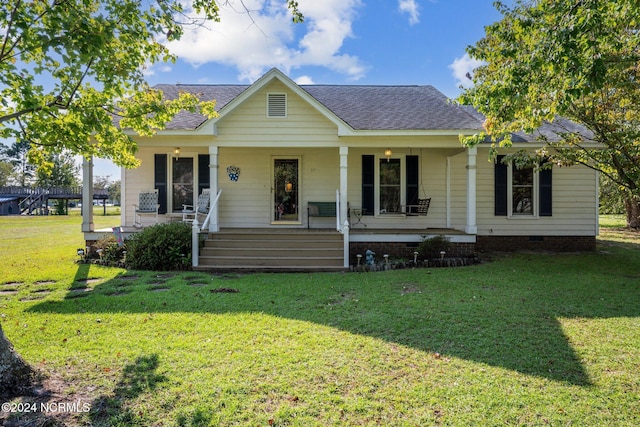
[(233, 172), (370, 257)]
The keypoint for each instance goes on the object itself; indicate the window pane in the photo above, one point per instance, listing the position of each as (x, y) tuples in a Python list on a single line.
[(523, 176), (285, 184), (522, 191), (182, 182), (389, 185), (522, 200)]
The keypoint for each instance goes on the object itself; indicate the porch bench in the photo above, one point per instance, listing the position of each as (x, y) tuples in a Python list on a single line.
[(320, 209)]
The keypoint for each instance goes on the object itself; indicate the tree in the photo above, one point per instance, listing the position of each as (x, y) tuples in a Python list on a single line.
[(71, 75), (15, 373), (17, 156), (60, 170), (68, 68), (579, 60), (6, 173), (63, 171), (112, 187)]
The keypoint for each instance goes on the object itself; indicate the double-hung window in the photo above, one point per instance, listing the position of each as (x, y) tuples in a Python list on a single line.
[(388, 184), (522, 192)]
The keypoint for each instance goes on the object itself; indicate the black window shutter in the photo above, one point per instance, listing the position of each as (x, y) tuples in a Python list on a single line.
[(545, 192), (412, 180), (501, 171), (160, 180), (368, 184), (203, 172)]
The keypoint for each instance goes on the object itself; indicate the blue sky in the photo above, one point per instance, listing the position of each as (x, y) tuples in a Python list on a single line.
[(341, 42)]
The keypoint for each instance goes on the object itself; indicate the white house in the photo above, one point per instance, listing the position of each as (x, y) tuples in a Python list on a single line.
[(283, 157)]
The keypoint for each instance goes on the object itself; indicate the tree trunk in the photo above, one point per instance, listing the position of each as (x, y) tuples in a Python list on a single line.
[(632, 208), (15, 374)]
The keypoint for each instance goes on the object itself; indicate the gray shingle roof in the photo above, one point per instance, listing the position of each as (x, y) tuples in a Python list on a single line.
[(549, 131), (361, 107), (223, 94), (393, 107)]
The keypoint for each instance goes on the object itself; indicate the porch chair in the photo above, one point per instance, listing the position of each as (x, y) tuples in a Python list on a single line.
[(147, 205), (191, 212), (421, 209)]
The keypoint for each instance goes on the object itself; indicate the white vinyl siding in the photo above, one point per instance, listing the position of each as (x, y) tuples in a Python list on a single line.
[(574, 205), (249, 126)]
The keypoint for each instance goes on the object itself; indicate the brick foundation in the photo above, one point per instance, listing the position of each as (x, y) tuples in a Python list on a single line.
[(536, 243), (483, 243), (403, 250)]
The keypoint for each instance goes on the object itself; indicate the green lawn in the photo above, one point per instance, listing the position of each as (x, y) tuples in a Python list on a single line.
[(526, 339)]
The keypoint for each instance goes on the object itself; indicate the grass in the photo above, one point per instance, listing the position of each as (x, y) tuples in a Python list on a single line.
[(524, 339)]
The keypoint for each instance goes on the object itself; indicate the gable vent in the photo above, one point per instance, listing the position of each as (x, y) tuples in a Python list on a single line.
[(276, 105)]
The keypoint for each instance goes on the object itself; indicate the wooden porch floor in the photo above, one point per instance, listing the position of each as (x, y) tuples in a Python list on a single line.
[(354, 231)]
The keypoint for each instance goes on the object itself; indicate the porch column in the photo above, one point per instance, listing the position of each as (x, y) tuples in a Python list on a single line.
[(471, 227), (87, 194), (214, 226), (344, 156)]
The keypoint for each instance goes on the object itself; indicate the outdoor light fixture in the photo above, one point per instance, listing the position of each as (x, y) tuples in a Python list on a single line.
[(288, 187), (176, 152), (388, 154)]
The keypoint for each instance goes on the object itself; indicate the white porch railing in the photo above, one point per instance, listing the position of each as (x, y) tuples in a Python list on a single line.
[(212, 207), (195, 230)]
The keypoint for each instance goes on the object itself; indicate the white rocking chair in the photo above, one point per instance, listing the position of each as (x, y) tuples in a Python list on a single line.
[(147, 205), (191, 212)]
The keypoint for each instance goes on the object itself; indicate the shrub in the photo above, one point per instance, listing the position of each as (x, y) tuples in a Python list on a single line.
[(109, 251), (432, 246), (160, 247)]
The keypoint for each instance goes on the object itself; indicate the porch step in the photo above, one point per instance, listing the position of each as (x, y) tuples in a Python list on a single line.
[(272, 250)]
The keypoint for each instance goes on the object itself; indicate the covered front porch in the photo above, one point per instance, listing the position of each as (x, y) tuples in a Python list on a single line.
[(260, 197)]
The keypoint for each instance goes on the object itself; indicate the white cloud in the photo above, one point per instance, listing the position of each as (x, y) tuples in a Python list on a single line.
[(304, 80), (264, 38), (410, 7), (463, 68)]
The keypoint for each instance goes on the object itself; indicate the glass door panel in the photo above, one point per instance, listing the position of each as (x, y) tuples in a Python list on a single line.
[(285, 190), (390, 186), (182, 185)]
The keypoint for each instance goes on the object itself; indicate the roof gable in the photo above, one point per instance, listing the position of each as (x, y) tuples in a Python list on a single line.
[(351, 108)]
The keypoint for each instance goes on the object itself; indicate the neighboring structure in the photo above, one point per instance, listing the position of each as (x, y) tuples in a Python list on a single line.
[(278, 147), (16, 200), (9, 205)]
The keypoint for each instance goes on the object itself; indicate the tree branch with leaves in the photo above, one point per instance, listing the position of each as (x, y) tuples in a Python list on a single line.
[(68, 67), (579, 60)]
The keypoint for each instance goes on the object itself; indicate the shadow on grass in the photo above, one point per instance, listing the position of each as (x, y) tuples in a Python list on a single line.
[(504, 314), (138, 378)]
